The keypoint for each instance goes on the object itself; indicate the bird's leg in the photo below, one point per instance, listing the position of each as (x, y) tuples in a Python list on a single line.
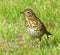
[(40, 39), (47, 36)]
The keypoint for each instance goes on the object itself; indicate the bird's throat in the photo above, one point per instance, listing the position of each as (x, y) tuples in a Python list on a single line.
[(30, 18)]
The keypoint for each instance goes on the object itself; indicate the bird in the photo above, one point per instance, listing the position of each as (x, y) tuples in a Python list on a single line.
[(34, 26)]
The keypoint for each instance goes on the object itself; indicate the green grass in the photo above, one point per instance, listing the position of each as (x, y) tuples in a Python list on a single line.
[(12, 27)]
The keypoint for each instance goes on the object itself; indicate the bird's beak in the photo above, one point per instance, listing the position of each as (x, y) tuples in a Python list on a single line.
[(21, 12)]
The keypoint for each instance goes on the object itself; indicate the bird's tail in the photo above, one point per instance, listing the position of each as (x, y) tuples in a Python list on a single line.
[(48, 33)]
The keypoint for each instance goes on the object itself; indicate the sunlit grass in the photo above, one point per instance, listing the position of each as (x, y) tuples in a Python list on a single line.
[(14, 39)]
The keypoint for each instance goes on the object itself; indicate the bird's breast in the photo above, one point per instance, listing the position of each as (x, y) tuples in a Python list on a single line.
[(33, 28)]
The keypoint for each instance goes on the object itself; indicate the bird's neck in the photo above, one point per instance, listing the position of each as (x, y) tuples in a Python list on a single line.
[(30, 18)]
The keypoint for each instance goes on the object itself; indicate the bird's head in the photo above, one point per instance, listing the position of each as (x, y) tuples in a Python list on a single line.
[(28, 12)]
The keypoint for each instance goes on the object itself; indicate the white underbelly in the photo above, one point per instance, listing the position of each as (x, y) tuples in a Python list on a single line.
[(32, 32)]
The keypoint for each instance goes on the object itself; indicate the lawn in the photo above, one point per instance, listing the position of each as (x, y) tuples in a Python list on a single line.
[(14, 39)]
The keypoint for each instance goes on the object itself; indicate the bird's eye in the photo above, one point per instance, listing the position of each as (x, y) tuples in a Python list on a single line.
[(28, 12)]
